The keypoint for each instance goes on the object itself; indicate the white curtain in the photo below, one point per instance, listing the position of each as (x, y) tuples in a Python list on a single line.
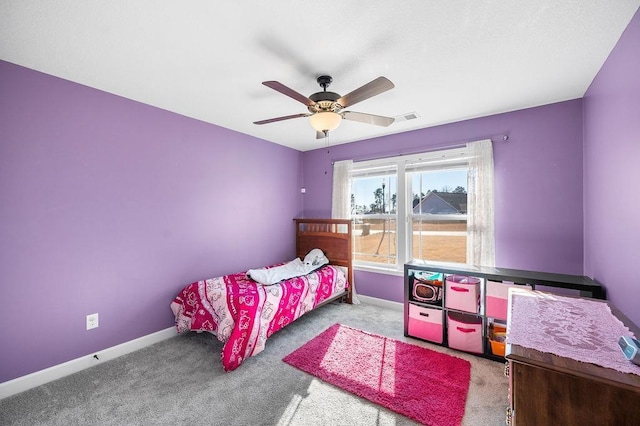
[(480, 205), (341, 203), (340, 208)]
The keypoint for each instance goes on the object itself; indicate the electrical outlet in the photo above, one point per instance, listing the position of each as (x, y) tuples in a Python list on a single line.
[(92, 321)]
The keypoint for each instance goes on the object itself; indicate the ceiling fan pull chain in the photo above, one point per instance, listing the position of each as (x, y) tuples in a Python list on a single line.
[(326, 142)]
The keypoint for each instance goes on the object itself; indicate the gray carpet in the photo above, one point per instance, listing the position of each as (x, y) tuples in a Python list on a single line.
[(181, 381)]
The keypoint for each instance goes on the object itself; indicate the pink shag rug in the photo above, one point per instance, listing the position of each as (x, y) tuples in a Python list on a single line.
[(427, 386)]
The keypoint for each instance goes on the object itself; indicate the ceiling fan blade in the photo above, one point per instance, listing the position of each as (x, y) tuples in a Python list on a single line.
[(361, 117), (286, 117), (375, 87), (279, 87)]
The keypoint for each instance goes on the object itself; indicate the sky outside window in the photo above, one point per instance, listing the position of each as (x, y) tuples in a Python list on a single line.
[(364, 188)]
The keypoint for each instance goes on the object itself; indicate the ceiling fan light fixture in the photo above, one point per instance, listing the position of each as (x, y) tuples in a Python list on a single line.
[(325, 121)]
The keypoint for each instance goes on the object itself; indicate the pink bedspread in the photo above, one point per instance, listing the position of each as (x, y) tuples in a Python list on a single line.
[(243, 313)]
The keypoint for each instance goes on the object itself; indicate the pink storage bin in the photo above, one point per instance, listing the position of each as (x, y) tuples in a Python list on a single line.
[(464, 332), (426, 323), (462, 293), (497, 298)]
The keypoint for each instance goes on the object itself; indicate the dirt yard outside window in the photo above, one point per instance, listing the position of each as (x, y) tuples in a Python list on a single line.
[(377, 243)]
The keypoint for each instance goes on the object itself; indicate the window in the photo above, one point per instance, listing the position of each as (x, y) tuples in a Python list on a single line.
[(438, 214), (374, 212), (419, 207)]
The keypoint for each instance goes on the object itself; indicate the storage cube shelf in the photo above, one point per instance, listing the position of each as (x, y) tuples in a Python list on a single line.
[(465, 308)]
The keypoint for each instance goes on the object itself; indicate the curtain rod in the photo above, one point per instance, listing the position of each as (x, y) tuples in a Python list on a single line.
[(448, 145)]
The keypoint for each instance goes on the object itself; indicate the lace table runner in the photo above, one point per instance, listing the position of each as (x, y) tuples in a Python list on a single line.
[(581, 329)]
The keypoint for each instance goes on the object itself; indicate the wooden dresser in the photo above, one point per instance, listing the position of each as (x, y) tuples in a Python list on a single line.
[(546, 389)]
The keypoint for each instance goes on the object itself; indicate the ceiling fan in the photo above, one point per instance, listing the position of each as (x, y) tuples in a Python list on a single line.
[(326, 108)]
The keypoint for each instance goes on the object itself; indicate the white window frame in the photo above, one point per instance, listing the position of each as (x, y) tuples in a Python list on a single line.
[(434, 160)]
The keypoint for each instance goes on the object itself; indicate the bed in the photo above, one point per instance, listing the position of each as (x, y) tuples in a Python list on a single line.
[(243, 313)]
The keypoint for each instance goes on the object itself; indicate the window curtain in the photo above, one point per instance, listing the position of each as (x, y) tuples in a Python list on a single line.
[(340, 208), (341, 203), (480, 205)]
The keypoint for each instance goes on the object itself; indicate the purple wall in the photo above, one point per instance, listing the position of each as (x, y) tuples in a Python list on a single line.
[(612, 174), (112, 206), (538, 184)]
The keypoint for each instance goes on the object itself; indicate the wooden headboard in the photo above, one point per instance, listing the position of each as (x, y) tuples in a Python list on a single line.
[(332, 236)]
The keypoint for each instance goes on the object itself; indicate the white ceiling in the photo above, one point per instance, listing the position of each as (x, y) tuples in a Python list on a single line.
[(449, 60)]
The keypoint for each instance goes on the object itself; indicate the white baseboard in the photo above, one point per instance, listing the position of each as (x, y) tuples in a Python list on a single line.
[(24, 383), (47, 375), (396, 306)]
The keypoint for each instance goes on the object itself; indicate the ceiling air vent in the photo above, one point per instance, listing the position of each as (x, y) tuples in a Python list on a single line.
[(406, 117)]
